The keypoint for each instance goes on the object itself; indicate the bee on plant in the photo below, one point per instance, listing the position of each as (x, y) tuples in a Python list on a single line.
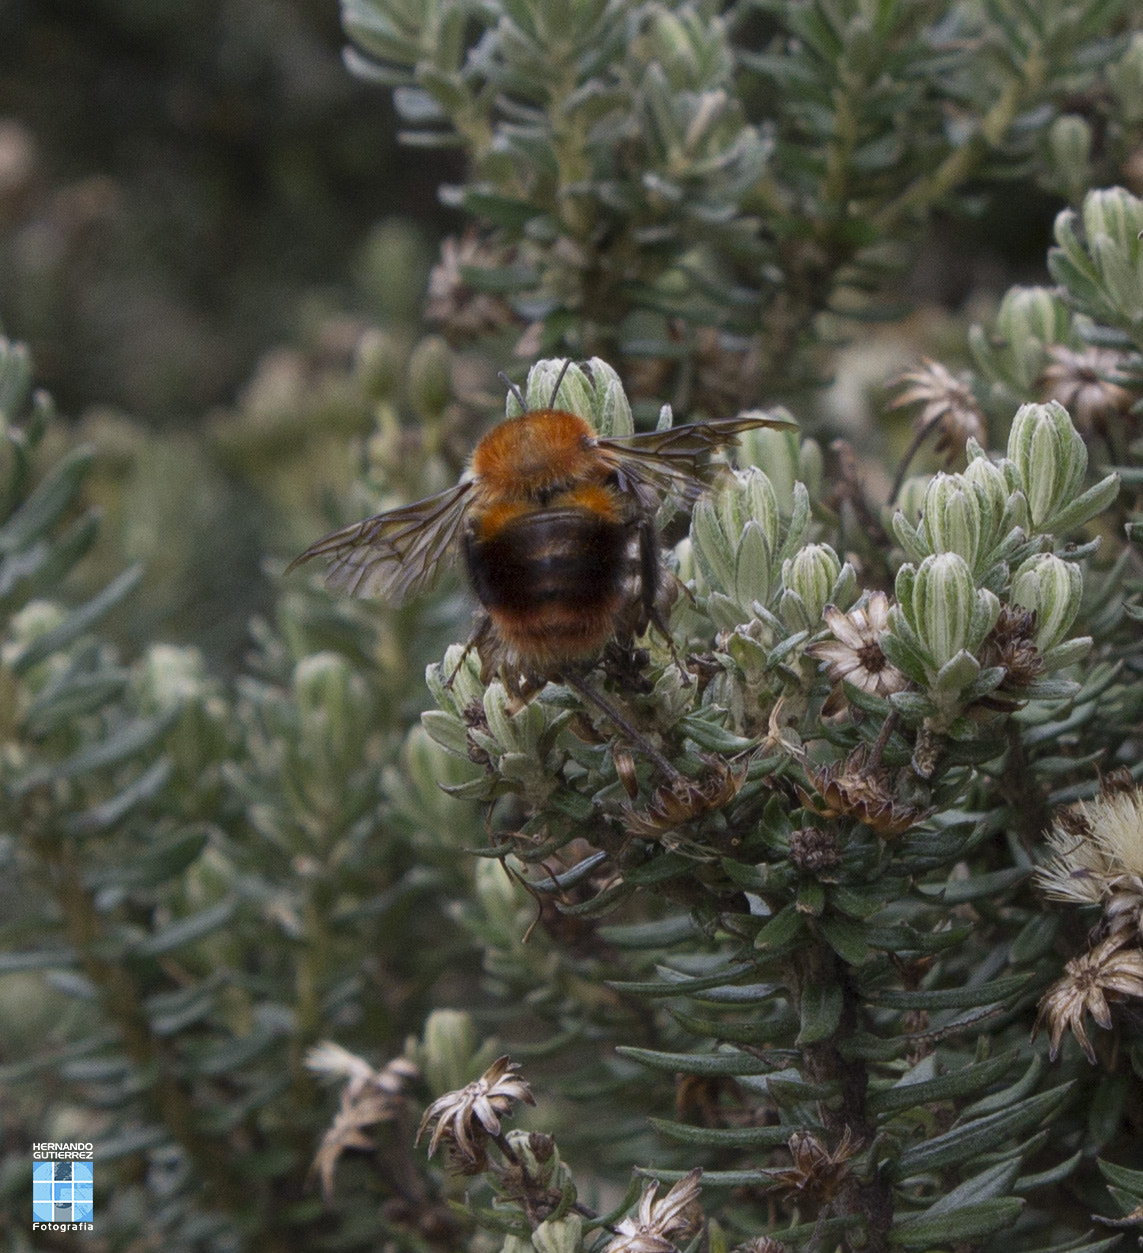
[(556, 528)]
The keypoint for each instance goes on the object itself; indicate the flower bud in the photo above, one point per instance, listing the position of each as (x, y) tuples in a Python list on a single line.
[(576, 394), (560, 1235), (989, 479), (943, 598), (733, 537), (430, 378), (1052, 588), (426, 768), (170, 676), (377, 363), (1125, 78), (812, 574), (909, 503), (1029, 319), (541, 1158), (333, 707), (1116, 215), (1069, 145), (448, 1050), (1050, 459), (611, 410), (501, 900), (952, 518), (779, 454)]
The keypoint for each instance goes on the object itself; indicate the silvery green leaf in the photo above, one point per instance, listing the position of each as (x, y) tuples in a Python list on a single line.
[(1069, 653), (957, 673), (909, 537), (752, 577), (611, 411), (1086, 506), (985, 611), (913, 706), (799, 523), (725, 613), (712, 550)]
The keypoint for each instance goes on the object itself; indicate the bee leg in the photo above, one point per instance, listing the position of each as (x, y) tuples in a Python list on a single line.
[(480, 639), (624, 664), (659, 589), (637, 738)]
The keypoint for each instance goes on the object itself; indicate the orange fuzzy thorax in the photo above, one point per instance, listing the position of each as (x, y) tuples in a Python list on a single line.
[(535, 453)]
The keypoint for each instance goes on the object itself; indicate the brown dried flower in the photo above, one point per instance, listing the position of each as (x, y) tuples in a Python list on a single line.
[(685, 799), (369, 1097), (817, 1171), (854, 654), (814, 850), (947, 403), (657, 1220), (850, 789), (1091, 983), (1011, 644), (1080, 382), (468, 1116)]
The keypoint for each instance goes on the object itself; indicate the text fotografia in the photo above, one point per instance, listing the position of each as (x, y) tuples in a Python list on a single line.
[(50, 1150), (63, 1226)]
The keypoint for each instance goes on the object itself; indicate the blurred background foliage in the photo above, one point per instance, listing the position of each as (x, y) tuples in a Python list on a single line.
[(221, 841)]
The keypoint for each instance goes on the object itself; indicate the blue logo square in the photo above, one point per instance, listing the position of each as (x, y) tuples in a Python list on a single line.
[(63, 1191)]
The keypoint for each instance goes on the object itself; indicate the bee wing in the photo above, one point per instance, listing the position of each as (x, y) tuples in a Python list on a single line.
[(397, 554), (676, 462)]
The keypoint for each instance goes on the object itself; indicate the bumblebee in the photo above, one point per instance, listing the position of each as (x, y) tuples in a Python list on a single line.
[(556, 528)]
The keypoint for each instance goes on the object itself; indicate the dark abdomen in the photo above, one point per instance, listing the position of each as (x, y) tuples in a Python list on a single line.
[(553, 582)]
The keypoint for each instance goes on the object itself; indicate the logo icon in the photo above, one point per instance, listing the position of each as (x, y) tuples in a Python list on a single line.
[(62, 1186)]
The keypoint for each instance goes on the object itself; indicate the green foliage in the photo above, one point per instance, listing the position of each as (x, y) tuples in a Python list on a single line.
[(648, 173), (852, 957)]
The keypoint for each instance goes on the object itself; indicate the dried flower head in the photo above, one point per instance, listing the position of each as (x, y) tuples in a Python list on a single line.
[(854, 654), (851, 789), (947, 404), (467, 1117), (1081, 382), (816, 1171), (650, 1230), (462, 312), (1091, 983), (1011, 644), (369, 1097), (1097, 857), (685, 799), (814, 850)]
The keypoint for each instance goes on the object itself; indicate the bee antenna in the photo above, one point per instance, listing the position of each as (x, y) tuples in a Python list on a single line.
[(515, 390), (559, 381)]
